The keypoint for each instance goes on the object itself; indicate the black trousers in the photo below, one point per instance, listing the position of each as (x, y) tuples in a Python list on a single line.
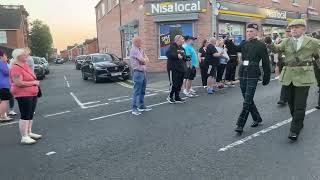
[(248, 83), (297, 100), (284, 93), (231, 71), (204, 74), (176, 81), (221, 69)]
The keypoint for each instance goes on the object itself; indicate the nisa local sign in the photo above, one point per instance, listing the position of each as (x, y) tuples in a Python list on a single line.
[(176, 7), (276, 14)]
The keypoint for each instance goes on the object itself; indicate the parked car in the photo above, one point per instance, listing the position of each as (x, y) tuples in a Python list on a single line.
[(59, 61), (104, 66), (39, 68), (79, 61), (46, 65)]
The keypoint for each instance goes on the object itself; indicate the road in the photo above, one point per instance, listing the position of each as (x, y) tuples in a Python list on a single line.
[(89, 133)]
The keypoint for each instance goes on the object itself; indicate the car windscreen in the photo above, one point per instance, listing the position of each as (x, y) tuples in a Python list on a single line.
[(36, 60), (102, 58)]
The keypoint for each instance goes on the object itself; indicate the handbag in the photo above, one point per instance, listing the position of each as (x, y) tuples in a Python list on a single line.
[(39, 89)]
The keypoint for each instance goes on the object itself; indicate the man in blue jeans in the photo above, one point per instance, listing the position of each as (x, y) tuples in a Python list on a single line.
[(138, 60)]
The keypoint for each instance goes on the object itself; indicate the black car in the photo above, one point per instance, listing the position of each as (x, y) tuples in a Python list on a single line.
[(59, 61), (79, 61), (39, 68), (104, 66)]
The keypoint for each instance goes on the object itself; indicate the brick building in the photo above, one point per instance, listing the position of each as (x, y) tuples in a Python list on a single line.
[(90, 46), (158, 21), (13, 26)]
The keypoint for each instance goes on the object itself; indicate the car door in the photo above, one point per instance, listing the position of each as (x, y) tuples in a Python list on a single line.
[(85, 66)]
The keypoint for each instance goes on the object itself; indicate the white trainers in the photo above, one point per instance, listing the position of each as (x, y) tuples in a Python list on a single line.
[(12, 113), (193, 91), (189, 95), (27, 140), (185, 92), (35, 136)]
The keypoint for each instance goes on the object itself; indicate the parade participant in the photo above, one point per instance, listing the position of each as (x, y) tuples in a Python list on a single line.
[(138, 60), (298, 73), (212, 61), (176, 67), (192, 64), (201, 57), (253, 51)]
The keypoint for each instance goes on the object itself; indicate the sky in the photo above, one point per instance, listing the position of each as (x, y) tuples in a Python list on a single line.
[(70, 21)]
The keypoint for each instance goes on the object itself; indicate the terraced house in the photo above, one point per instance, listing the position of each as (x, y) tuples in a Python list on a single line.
[(158, 21)]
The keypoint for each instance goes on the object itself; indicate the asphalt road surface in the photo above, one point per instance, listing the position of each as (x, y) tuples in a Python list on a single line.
[(89, 133)]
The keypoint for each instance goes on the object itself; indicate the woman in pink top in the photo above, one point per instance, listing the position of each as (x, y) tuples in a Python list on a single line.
[(24, 87)]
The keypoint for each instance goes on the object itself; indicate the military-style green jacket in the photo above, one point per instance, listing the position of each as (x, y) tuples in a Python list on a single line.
[(299, 72)]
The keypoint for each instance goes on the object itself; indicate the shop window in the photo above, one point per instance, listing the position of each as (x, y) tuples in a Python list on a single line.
[(167, 33), (273, 32), (232, 30), (3, 37)]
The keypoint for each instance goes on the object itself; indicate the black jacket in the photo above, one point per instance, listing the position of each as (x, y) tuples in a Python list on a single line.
[(174, 63)]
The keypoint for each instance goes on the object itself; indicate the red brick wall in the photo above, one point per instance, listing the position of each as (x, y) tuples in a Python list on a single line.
[(92, 47)]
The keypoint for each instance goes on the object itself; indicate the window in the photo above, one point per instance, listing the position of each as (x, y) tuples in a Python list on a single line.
[(3, 37), (295, 1), (102, 58), (98, 14), (232, 30), (103, 9), (311, 3), (168, 33), (127, 34)]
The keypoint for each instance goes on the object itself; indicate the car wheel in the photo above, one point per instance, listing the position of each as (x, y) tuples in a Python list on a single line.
[(126, 77), (95, 78), (84, 77)]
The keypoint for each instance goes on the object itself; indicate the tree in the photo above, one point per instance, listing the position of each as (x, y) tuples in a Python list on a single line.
[(40, 39)]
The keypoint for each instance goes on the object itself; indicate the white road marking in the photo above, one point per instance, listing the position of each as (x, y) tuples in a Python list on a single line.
[(93, 102), (68, 84), (128, 99), (96, 105), (50, 153), (264, 131), (124, 112), (6, 124), (118, 98), (125, 85), (49, 115), (65, 78), (77, 100)]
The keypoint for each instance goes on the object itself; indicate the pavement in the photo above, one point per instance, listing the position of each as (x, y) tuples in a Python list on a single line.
[(89, 133)]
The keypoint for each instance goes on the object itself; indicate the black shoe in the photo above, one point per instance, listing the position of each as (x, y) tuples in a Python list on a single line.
[(293, 136), (239, 129), (282, 103), (179, 100), (171, 100), (318, 107), (255, 124)]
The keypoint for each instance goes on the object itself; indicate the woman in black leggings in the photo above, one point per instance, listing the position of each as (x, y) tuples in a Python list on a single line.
[(232, 63), (201, 56)]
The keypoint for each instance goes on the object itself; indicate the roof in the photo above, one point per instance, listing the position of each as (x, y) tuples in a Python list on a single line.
[(10, 18)]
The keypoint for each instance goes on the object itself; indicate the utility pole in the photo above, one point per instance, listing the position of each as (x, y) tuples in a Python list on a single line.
[(121, 30), (214, 18)]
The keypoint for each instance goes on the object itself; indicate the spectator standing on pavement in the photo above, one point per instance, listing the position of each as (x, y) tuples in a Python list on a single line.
[(5, 94), (298, 73), (192, 64), (253, 51), (11, 101), (201, 57), (223, 61), (176, 67), (232, 63), (138, 60), (212, 61), (317, 71), (25, 88)]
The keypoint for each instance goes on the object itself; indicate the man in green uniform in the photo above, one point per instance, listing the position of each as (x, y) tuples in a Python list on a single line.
[(298, 72), (253, 51)]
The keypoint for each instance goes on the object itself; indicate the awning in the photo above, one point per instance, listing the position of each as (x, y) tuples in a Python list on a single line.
[(176, 17), (275, 22)]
